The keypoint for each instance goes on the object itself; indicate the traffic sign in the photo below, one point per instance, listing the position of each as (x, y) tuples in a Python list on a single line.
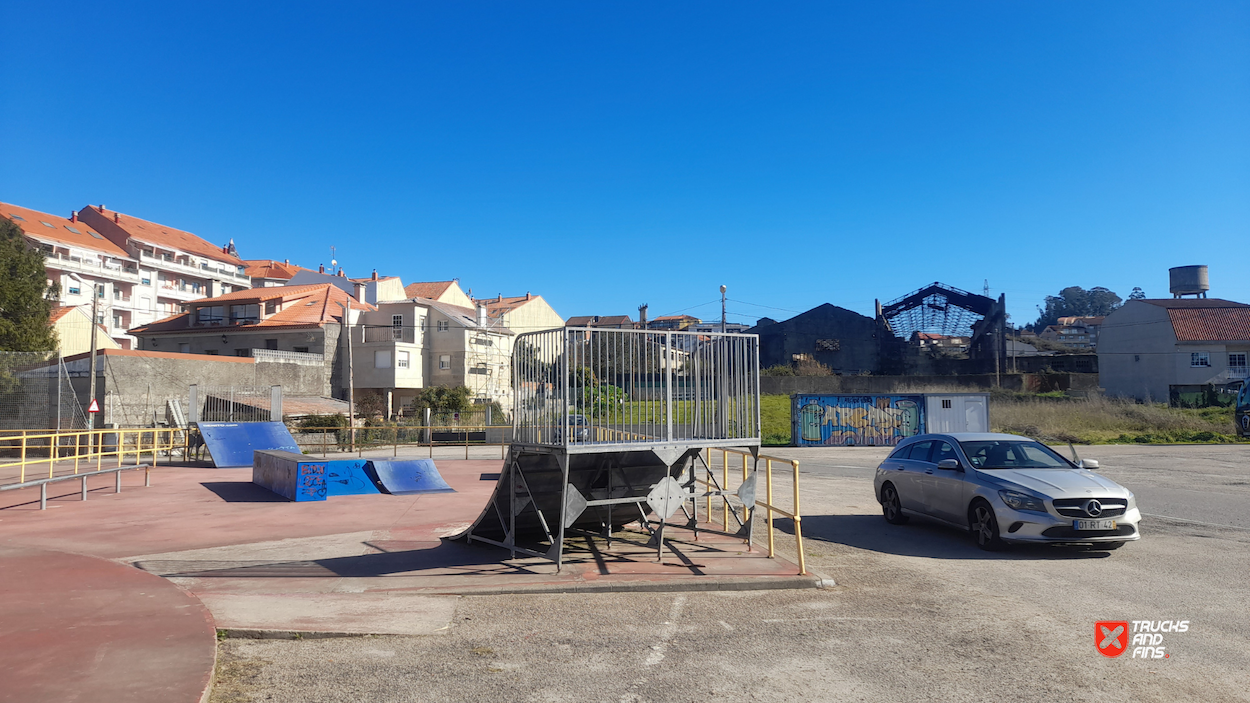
[(94, 407)]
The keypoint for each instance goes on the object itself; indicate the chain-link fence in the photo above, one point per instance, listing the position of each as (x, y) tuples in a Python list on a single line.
[(35, 393)]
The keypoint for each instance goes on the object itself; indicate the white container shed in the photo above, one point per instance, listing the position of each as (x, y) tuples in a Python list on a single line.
[(957, 412)]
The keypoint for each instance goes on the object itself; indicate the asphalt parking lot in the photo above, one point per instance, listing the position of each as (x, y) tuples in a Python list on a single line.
[(918, 613)]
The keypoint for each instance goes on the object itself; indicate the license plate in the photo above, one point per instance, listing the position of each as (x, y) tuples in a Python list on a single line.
[(1093, 524)]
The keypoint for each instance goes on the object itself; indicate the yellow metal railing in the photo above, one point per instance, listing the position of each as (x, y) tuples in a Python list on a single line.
[(30, 454), (771, 508)]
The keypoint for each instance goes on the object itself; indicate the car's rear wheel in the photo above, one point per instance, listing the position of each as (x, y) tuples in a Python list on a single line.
[(984, 526), (891, 506)]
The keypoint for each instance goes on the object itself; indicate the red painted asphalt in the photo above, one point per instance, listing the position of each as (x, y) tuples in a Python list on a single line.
[(346, 544), (80, 628)]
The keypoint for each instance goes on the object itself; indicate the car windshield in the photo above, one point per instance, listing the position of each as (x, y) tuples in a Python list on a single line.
[(1006, 454)]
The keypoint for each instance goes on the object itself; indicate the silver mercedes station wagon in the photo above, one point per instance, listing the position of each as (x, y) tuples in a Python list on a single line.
[(1003, 489)]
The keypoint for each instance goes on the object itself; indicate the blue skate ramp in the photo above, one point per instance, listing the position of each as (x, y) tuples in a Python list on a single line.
[(409, 477), (231, 443)]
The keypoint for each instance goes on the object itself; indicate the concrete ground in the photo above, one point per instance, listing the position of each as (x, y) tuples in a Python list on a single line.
[(919, 613)]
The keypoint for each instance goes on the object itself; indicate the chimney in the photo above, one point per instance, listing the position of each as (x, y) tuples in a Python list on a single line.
[(375, 274), (321, 268), (642, 316), (73, 216), (501, 297), (341, 274), (101, 208), (481, 315), (527, 295), (287, 262), (117, 217), (361, 292)]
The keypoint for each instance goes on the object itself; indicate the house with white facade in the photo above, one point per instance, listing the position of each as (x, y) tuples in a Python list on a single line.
[(406, 346), (85, 264), (171, 268), (1151, 350)]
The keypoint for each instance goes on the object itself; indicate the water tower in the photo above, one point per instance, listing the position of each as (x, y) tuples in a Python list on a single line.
[(1188, 280)]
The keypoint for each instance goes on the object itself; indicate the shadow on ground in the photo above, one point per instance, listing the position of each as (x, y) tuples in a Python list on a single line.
[(920, 539), (240, 492)]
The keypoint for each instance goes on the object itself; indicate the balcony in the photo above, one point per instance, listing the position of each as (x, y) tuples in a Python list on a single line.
[(389, 334), (91, 266), (167, 262), (1238, 373)]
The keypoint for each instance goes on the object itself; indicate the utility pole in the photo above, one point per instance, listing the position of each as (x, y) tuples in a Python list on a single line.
[(351, 385), (95, 307), (722, 309)]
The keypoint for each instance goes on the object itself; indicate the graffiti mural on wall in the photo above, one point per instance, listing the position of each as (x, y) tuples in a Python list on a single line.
[(856, 420)]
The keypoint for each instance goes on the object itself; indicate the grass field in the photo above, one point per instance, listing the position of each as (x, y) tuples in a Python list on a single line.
[(1057, 418)]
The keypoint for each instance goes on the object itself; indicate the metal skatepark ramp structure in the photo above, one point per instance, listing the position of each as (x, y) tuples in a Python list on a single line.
[(301, 478), (231, 444), (610, 426)]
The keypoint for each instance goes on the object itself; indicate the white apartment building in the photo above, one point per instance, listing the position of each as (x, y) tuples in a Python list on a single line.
[(164, 269)]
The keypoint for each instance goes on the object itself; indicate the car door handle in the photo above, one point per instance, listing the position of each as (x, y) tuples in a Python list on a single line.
[(929, 471)]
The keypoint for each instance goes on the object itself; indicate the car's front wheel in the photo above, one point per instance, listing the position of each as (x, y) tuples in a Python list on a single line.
[(891, 506), (984, 527)]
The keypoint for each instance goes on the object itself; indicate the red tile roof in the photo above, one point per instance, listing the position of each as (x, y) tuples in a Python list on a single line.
[(32, 223), (268, 268), (501, 304), (430, 290), (676, 317), (307, 306), (58, 312), (153, 233), (1230, 324)]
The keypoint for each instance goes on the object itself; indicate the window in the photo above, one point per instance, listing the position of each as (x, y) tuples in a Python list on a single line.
[(920, 451), (146, 281), (211, 352), (242, 352), (271, 306), (75, 290), (397, 326), (271, 344), (946, 403), (117, 322), (301, 350), (184, 348), (244, 313), (443, 325), (444, 362), (210, 314), (99, 291), (1237, 361), (1199, 359), (401, 359), (944, 451), (382, 359), (421, 324)]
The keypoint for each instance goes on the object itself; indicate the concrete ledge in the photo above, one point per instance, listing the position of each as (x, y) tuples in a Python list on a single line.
[(757, 583)]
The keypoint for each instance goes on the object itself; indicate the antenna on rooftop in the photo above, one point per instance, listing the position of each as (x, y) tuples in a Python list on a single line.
[(987, 287), (333, 261)]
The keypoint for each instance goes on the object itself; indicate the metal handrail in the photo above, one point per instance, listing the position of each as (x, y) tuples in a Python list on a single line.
[(117, 486), (767, 504), (353, 444)]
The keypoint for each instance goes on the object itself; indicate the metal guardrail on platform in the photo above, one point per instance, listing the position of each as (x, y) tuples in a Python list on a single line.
[(583, 389)]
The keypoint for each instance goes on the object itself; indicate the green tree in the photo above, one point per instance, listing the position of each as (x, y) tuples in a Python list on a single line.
[(1075, 301), (1137, 294), (444, 399), (25, 297)]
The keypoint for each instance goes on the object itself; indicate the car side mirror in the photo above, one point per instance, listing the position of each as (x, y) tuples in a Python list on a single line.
[(950, 465), (1089, 464)]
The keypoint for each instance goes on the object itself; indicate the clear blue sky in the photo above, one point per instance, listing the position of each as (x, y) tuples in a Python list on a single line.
[(610, 154)]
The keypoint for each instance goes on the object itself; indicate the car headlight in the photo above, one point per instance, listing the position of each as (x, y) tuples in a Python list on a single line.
[(1022, 501), (1132, 501)]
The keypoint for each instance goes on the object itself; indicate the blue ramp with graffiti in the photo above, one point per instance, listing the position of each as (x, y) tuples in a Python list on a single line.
[(409, 477), (855, 420), (231, 443)]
